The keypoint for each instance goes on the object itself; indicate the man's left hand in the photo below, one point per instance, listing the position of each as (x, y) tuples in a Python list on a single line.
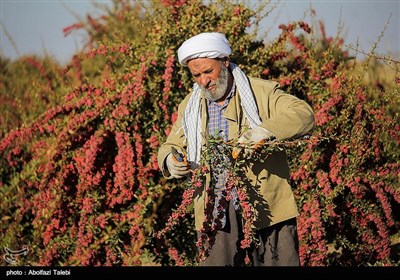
[(252, 137)]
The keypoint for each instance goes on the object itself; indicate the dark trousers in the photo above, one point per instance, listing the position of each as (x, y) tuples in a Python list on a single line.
[(278, 245)]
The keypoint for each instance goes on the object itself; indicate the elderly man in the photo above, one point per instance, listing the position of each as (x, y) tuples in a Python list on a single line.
[(249, 109)]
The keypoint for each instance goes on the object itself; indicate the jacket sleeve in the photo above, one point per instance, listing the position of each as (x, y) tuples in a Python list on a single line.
[(175, 138), (285, 115)]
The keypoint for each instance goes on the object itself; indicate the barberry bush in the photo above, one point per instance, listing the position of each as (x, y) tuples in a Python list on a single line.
[(80, 184)]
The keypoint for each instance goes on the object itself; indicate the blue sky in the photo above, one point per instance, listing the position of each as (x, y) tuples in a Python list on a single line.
[(35, 26)]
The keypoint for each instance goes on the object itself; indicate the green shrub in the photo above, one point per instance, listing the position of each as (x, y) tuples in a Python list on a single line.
[(80, 183)]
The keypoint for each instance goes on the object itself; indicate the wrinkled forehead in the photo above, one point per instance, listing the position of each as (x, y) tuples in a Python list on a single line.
[(202, 64)]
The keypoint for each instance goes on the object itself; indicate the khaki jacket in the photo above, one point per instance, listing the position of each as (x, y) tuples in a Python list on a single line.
[(285, 116)]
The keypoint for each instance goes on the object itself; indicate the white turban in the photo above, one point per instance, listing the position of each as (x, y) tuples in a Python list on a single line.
[(210, 45)]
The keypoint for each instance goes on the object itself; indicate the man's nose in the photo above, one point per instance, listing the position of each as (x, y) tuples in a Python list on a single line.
[(204, 80)]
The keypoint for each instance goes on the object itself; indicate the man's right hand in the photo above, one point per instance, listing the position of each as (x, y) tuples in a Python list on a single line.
[(177, 169)]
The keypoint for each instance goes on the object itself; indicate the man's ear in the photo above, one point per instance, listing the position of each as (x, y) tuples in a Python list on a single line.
[(226, 61)]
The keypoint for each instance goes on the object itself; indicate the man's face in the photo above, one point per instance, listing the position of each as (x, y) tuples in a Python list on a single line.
[(211, 75)]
